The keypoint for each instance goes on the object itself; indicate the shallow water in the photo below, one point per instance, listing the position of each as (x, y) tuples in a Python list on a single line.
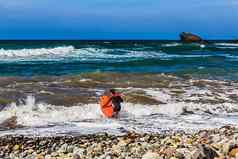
[(41, 119)]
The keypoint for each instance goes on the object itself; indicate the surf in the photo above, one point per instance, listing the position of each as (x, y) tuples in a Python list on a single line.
[(44, 119)]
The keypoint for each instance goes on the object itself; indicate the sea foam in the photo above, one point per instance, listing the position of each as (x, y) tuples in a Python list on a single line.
[(42, 118), (59, 51)]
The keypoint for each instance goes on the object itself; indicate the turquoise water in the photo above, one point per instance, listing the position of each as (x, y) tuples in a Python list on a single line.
[(216, 60)]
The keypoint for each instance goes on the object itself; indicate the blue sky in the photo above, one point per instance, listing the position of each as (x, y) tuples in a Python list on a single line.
[(111, 19)]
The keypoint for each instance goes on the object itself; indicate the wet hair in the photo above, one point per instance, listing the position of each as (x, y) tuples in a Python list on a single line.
[(113, 91)]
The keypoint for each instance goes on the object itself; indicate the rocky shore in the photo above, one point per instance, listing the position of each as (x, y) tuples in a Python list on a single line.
[(219, 143)]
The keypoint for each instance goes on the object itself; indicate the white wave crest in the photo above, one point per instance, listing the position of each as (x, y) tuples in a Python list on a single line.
[(172, 44), (57, 51), (86, 54), (82, 54), (202, 46), (96, 54), (227, 44), (39, 114)]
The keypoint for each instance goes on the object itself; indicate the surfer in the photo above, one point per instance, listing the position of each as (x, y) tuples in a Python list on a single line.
[(110, 103)]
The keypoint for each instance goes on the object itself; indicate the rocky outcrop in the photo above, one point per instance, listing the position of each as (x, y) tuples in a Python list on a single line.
[(187, 37)]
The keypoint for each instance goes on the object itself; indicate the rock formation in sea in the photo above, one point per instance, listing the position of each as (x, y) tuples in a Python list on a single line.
[(187, 37)]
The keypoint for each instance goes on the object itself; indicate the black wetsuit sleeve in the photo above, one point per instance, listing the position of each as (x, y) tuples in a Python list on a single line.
[(120, 99)]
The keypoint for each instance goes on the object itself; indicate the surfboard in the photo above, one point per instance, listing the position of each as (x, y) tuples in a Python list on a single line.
[(106, 107)]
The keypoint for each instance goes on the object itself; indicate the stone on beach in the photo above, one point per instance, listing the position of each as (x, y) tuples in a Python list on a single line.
[(151, 155), (234, 152), (209, 144)]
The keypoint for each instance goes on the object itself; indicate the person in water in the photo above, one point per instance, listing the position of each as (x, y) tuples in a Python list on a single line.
[(116, 100), (112, 99)]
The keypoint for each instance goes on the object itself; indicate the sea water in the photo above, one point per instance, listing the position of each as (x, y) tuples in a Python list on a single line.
[(215, 61), (218, 59)]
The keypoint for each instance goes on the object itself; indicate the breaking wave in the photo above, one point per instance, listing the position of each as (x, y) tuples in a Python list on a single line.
[(41, 117), (87, 54), (57, 51), (172, 44), (227, 44), (69, 52)]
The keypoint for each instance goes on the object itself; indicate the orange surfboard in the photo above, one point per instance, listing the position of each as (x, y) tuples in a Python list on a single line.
[(106, 106)]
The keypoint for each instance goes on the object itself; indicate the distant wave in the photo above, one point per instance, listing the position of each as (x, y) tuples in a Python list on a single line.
[(181, 44), (172, 44), (58, 51), (226, 44), (83, 54), (87, 54), (94, 53)]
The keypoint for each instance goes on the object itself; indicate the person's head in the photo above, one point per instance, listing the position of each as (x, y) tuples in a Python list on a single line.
[(112, 91)]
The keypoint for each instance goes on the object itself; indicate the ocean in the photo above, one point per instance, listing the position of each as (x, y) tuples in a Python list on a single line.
[(216, 60), (52, 87)]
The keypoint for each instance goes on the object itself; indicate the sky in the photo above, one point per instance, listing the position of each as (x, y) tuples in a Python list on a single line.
[(112, 19)]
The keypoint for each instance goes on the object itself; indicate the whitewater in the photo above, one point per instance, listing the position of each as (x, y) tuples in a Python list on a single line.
[(99, 53), (41, 119)]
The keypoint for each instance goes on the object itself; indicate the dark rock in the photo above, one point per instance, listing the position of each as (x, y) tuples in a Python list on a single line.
[(9, 123), (204, 152), (186, 111), (76, 156), (191, 38)]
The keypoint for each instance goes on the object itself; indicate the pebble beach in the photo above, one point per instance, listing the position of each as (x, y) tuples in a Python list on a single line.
[(219, 143)]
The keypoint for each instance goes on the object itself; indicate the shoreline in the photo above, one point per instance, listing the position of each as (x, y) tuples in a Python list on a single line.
[(220, 143)]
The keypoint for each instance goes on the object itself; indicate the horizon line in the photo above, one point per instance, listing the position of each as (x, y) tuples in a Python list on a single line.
[(109, 39)]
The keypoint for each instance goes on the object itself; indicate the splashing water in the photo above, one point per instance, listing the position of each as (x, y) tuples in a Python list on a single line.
[(44, 119)]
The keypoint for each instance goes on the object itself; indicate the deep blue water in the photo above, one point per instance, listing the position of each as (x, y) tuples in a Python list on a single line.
[(216, 60)]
